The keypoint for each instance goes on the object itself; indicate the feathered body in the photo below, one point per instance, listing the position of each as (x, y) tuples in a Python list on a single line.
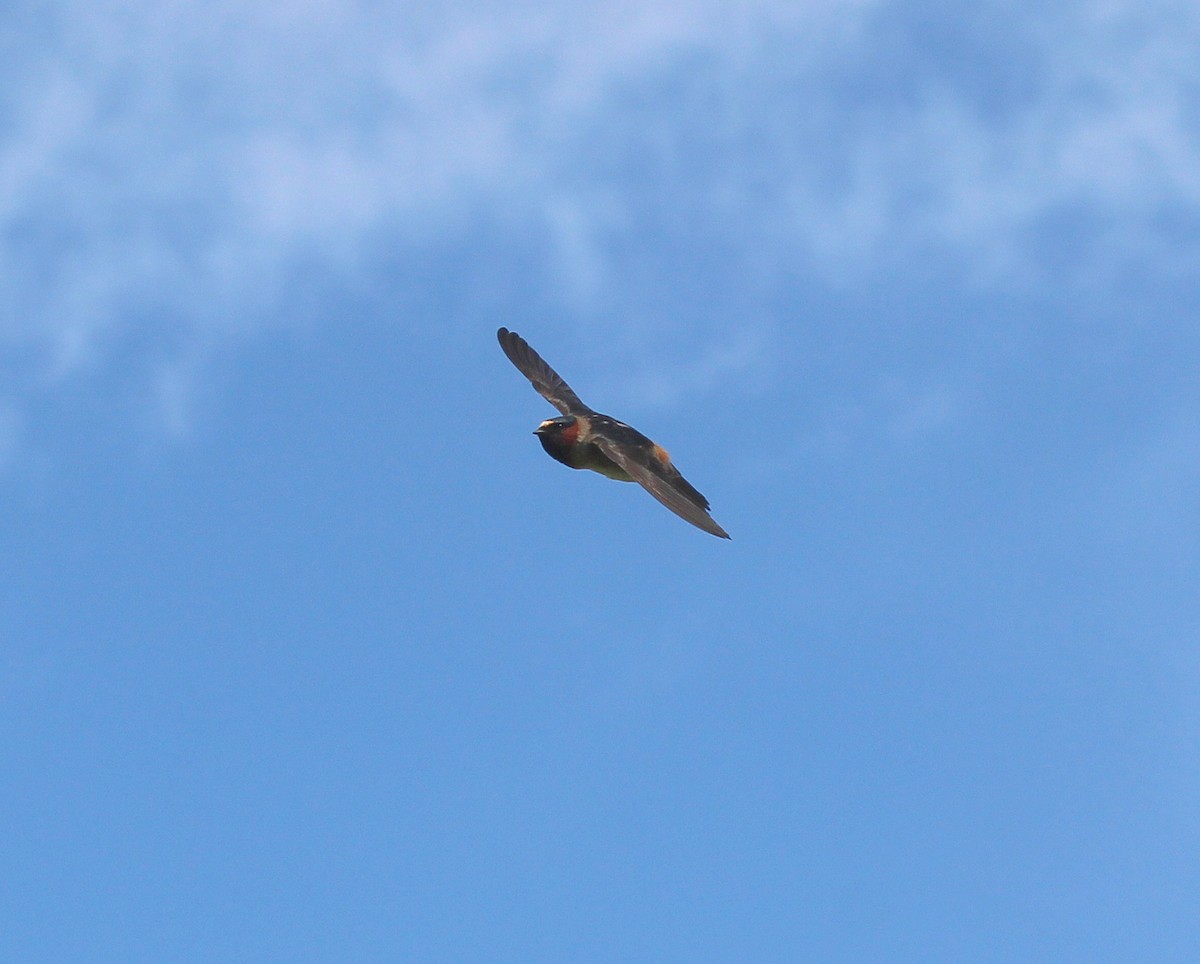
[(584, 439)]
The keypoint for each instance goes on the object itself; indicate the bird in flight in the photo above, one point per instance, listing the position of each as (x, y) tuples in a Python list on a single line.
[(585, 439)]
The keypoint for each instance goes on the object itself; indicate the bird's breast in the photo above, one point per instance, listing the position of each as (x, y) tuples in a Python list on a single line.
[(590, 457)]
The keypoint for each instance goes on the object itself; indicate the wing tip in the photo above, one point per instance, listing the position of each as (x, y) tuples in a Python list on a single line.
[(717, 531), (512, 344)]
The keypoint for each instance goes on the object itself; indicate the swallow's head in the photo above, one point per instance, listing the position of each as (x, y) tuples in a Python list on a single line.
[(559, 437), (564, 430)]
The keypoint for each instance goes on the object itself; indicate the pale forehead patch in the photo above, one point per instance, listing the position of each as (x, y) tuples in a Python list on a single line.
[(548, 421)]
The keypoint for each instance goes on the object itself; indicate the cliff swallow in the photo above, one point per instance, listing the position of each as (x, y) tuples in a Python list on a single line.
[(585, 439)]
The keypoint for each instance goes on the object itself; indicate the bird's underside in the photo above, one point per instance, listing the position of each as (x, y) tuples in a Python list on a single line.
[(584, 438)]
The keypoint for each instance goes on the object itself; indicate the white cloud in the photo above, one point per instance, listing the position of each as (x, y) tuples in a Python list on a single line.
[(1107, 127), (170, 164)]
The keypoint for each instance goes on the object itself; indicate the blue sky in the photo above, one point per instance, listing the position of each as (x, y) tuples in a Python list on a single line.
[(309, 652)]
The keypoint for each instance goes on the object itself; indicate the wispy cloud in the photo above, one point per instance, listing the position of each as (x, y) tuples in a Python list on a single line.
[(172, 165)]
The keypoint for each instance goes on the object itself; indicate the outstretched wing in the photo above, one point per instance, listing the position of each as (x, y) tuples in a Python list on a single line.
[(663, 481), (544, 378)]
